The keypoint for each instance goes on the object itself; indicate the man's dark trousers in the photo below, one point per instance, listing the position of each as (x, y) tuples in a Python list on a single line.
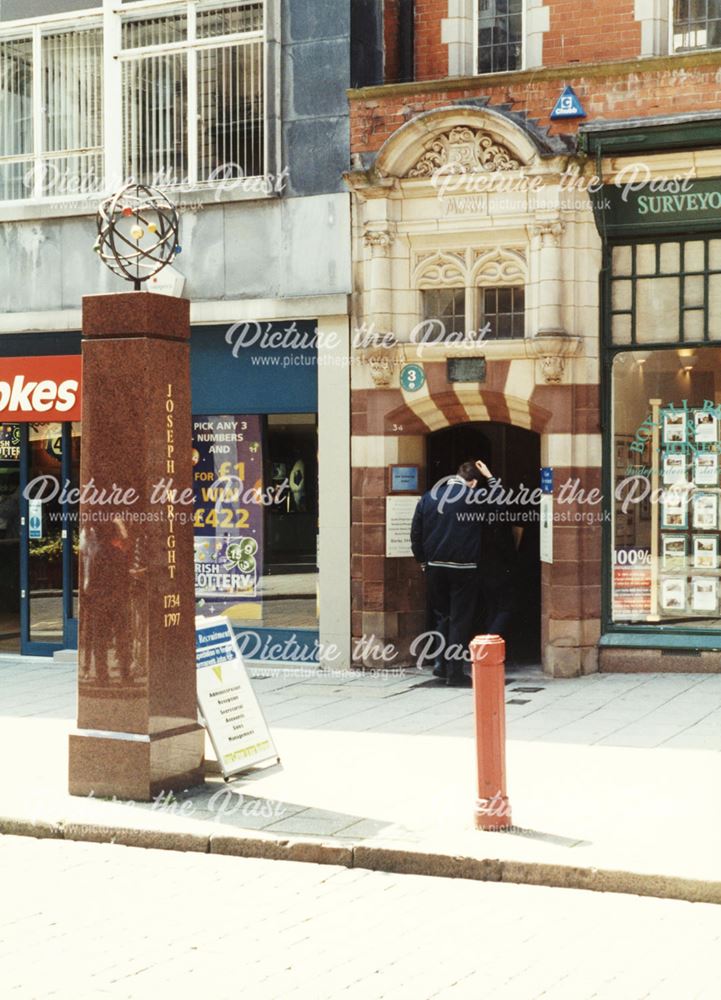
[(453, 594)]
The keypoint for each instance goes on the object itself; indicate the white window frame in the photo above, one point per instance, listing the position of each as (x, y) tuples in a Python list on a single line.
[(524, 47), (680, 52), (192, 46), (110, 19), (33, 29)]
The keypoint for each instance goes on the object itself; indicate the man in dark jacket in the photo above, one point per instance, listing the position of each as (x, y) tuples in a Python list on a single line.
[(446, 540)]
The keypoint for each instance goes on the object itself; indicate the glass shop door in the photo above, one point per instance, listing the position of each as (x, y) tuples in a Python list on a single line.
[(50, 469)]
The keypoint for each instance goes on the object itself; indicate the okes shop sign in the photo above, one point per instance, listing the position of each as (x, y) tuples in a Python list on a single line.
[(40, 390)]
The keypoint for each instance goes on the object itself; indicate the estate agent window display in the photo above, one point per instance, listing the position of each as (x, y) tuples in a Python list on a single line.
[(663, 309)]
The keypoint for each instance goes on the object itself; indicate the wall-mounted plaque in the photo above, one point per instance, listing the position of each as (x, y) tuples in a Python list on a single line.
[(399, 516), (404, 478), (466, 369)]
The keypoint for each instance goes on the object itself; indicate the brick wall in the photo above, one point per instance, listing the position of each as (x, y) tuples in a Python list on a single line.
[(391, 63), (612, 92), (578, 33), (582, 32), (430, 53)]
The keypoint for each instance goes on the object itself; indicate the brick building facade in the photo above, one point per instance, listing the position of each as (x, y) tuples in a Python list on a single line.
[(466, 194)]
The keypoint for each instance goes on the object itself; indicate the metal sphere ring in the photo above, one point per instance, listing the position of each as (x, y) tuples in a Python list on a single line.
[(137, 232)]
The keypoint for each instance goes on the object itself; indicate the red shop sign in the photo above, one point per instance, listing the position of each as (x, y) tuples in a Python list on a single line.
[(40, 390)]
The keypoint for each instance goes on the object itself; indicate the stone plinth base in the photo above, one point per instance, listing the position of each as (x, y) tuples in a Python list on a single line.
[(136, 767)]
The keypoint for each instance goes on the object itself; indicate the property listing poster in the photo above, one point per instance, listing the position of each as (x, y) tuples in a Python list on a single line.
[(631, 583), (228, 485)]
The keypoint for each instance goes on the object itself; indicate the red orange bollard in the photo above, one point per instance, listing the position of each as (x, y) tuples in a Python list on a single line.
[(488, 653)]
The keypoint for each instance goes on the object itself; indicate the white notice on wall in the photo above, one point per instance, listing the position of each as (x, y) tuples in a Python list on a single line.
[(234, 719), (547, 528), (399, 517)]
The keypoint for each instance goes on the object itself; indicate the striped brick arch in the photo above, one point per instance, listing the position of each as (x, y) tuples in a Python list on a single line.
[(467, 404)]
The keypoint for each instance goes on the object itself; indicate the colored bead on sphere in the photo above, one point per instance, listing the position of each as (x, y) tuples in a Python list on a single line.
[(137, 233)]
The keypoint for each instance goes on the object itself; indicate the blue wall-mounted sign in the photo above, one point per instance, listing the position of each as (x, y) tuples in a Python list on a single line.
[(568, 106), (404, 478), (413, 378), (546, 479)]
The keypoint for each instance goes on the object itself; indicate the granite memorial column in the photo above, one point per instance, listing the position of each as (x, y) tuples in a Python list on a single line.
[(137, 732)]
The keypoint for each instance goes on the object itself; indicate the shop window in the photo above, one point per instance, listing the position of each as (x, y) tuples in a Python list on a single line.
[(56, 144), (666, 527), (256, 519), (696, 24), (665, 292), (500, 35), (502, 312), (446, 309)]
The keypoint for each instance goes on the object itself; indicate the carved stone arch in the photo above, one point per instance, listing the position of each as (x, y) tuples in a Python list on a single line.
[(441, 270), (473, 140), (500, 266)]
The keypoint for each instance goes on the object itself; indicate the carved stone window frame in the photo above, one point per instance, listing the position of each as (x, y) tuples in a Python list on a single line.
[(471, 269)]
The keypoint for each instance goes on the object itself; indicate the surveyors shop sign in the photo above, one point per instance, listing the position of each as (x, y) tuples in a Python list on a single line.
[(662, 205), (40, 390)]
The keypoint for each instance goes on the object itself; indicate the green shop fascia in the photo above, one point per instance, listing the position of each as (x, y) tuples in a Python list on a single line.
[(660, 319)]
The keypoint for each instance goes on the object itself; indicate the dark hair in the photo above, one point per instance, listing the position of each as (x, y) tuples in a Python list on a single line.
[(468, 471)]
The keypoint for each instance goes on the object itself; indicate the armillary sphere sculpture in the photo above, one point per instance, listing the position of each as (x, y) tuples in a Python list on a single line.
[(137, 233)]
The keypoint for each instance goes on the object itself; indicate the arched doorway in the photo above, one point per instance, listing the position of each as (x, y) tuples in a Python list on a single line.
[(514, 455)]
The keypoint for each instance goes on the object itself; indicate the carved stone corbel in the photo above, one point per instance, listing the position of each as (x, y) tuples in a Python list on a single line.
[(379, 237), (380, 354), (553, 368), (549, 231), (552, 351)]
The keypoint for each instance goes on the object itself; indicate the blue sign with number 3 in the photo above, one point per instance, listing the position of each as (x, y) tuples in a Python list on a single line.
[(413, 378)]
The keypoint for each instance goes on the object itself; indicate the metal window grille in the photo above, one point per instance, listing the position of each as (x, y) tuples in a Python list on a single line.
[(663, 292), (148, 31), (230, 20), (500, 35), (72, 91), (16, 117), (155, 120), (194, 94), (696, 24), (503, 312), (230, 112), (51, 114), (447, 307)]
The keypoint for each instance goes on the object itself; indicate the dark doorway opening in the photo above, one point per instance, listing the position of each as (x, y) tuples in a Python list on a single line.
[(514, 455)]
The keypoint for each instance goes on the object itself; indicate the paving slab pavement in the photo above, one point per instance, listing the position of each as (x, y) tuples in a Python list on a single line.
[(614, 779), (230, 927)]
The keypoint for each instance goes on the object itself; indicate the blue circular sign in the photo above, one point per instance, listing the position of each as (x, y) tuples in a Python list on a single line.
[(413, 378)]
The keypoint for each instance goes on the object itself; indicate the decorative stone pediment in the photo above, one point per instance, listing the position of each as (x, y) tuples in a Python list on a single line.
[(466, 150)]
